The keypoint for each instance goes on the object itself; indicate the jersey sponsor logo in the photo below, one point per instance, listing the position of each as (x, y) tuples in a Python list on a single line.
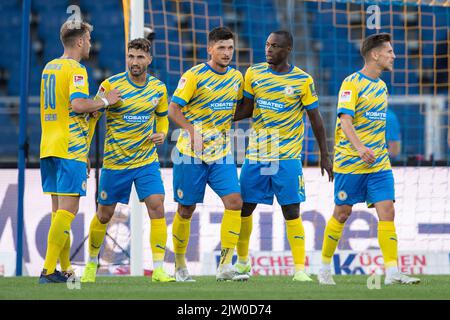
[(269, 105), (375, 115), (236, 87), (342, 195), (182, 83), (220, 106), (131, 118), (78, 80), (345, 96)]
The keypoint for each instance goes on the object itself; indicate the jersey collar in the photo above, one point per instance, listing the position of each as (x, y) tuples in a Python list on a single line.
[(135, 85)]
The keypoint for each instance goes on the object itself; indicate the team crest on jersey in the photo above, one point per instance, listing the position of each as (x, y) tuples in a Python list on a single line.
[(155, 101), (289, 91), (342, 195), (236, 87), (84, 185), (78, 80), (182, 83), (180, 193), (103, 195), (345, 96)]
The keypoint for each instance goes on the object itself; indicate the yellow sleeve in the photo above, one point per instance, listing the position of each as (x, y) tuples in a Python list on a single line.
[(185, 89), (78, 83), (162, 110), (347, 99), (248, 88), (309, 98)]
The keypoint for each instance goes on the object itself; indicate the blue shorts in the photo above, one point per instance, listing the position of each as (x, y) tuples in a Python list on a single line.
[(190, 178), (368, 187), (115, 185), (63, 177), (260, 181)]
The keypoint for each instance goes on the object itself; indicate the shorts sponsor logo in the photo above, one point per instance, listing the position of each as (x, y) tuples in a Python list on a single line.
[(345, 96), (180, 193), (84, 185), (342, 195), (182, 83), (103, 195), (78, 80)]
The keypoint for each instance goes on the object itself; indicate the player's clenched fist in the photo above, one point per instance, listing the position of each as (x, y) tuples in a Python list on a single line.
[(113, 96), (158, 138)]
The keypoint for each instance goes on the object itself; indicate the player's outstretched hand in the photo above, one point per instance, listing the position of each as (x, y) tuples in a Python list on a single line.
[(113, 96), (367, 155), (158, 138), (327, 165)]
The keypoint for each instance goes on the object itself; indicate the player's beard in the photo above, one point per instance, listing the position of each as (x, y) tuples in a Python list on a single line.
[(136, 72)]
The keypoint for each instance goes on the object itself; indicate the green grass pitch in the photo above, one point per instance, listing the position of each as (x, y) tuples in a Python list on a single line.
[(206, 288)]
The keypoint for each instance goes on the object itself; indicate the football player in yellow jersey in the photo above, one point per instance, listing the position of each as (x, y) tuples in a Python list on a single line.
[(277, 94), (65, 108), (203, 106), (361, 161), (134, 127)]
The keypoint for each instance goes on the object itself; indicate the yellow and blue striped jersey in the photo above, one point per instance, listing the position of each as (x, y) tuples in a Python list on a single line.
[(280, 101), (64, 132), (365, 99), (131, 121), (208, 101)]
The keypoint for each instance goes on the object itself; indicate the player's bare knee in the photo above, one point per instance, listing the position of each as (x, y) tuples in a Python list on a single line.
[(156, 210), (342, 213), (105, 213), (247, 209), (233, 202), (291, 211), (186, 212)]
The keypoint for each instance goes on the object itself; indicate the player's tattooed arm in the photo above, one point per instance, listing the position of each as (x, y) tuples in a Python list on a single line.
[(244, 109), (319, 132)]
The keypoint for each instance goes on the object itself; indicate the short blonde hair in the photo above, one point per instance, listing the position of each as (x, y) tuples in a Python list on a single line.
[(71, 30)]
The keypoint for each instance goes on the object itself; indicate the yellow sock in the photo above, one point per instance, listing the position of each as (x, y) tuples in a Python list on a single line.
[(64, 256), (158, 239), (97, 232), (333, 233), (387, 238), (181, 229), (244, 237), (229, 234), (57, 237), (296, 237)]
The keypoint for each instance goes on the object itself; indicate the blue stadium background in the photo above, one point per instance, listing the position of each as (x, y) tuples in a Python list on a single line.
[(322, 49)]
